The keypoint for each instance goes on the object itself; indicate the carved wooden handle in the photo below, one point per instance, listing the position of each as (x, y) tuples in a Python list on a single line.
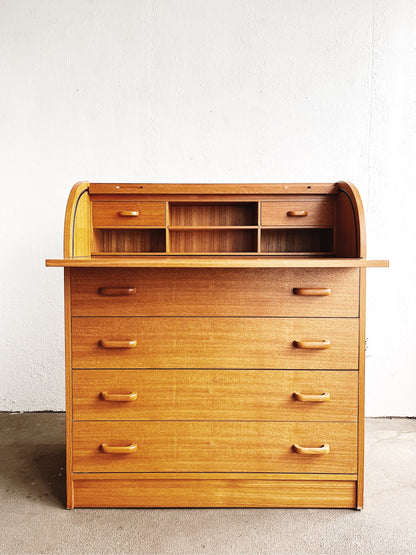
[(128, 213), (116, 291), (312, 291), (115, 344), (311, 398), (297, 213), (132, 448), (323, 450), (119, 397), (324, 344)]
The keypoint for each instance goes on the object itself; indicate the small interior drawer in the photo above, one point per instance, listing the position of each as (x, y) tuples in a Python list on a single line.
[(131, 214), (298, 213)]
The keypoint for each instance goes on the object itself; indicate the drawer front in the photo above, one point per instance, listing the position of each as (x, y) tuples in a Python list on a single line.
[(215, 343), (215, 395), (123, 213), (318, 213), (214, 447), (215, 292)]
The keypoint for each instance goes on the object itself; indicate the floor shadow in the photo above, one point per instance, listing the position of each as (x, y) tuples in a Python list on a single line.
[(31, 467)]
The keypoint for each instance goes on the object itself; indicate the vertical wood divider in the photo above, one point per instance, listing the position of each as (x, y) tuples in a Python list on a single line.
[(259, 227), (167, 222)]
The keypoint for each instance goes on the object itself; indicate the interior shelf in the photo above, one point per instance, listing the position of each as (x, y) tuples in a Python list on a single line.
[(211, 227)]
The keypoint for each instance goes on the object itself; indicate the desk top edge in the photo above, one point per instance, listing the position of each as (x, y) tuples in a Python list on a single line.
[(214, 262)]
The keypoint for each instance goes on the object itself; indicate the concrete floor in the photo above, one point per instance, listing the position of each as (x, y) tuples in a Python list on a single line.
[(33, 518)]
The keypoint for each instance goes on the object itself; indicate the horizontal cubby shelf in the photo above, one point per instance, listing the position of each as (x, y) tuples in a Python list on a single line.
[(211, 227)]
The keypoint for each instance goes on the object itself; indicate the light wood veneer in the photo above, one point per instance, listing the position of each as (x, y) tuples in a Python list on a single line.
[(215, 446), (215, 345), (305, 213), (215, 395), (214, 292), (223, 492), (131, 214)]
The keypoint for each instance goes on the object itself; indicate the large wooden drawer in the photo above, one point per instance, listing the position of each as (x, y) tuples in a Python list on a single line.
[(128, 213), (298, 213), (214, 395), (215, 292), (214, 343), (172, 446)]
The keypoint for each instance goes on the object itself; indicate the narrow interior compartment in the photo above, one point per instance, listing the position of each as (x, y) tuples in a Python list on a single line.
[(297, 240), (214, 241), (218, 214), (129, 240)]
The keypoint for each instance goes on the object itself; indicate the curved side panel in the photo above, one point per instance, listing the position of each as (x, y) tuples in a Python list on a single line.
[(350, 236), (77, 230)]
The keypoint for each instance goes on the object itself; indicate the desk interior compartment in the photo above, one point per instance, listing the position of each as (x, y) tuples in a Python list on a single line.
[(126, 241), (213, 215), (297, 241), (214, 241)]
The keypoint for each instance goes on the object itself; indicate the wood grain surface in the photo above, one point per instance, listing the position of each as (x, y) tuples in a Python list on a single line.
[(109, 214), (215, 292), (173, 342), (214, 493), (319, 212), (215, 395), (212, 446)]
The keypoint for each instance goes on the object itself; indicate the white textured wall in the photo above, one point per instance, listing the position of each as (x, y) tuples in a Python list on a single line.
[(197, 90)]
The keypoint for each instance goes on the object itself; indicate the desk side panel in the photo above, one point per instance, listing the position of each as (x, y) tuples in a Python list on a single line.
[(68, 387), (361, 391)]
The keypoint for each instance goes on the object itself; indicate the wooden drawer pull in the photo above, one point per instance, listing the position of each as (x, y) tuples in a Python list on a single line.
[(128, 213), (297, 213), (114, 344), (323, 450), (117, 291), (119, 397), (324, 344), (311, 291), (311, 398), (132, 448)]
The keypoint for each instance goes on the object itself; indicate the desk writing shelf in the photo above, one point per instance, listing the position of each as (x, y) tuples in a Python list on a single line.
[(215, 345)]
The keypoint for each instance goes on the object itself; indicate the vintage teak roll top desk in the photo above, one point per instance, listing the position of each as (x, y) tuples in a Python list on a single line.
[(215, 345)]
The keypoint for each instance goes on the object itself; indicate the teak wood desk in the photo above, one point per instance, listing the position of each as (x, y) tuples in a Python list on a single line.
[(215, 345)]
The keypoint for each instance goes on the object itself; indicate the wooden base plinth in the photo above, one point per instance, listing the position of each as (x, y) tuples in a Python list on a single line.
[(214, 493)]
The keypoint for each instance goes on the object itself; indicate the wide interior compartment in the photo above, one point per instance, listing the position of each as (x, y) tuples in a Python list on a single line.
[(213, 241), (297, 241), (218, 214), (129, 240)]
